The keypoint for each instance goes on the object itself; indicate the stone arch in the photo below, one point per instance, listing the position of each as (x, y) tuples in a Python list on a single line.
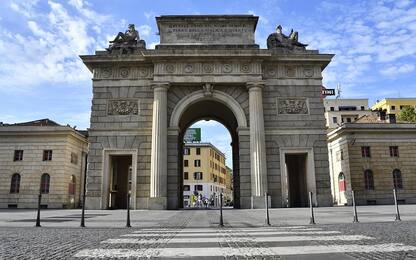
[(197, 96)]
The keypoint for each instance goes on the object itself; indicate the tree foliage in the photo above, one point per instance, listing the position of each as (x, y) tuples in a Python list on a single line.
[(408, 114)]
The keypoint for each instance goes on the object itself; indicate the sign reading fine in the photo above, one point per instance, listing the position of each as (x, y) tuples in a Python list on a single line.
[(192, 135), (327, 92)]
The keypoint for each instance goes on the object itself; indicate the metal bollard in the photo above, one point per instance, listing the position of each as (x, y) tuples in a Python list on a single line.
[(128, 210), (266, 200), (355, 219), (84, 191), (221, 218), (38, 215), (312, 220), (397, 206)]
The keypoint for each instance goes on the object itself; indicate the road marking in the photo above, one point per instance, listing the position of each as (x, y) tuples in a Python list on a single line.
[(211, 234), (238, 239), (246, 251)]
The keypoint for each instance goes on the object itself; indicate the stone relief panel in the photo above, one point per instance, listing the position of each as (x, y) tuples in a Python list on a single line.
[(290, 71), (204, 68), (123, 107), (292, 106), (143, 72)]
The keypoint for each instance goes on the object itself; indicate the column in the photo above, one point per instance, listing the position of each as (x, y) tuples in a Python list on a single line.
[(257, 144), (158, 166)]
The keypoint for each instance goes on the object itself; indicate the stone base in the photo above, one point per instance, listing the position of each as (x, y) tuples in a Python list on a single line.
[(157, 203), (324, 200), (93, 203), (257, 202)]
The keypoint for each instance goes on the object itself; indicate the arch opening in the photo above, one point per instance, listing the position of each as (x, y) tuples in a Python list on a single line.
[(208, 109)]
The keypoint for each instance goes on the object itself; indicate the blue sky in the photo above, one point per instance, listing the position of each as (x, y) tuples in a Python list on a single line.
[(41, 75)]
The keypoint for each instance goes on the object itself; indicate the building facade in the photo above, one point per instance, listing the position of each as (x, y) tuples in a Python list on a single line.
[(41, 157), (207, 67), (372, 157), (339, 111), (394, 105), (204, 173)]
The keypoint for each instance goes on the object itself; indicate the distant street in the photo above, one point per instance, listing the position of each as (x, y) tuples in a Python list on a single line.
[(195, 234)]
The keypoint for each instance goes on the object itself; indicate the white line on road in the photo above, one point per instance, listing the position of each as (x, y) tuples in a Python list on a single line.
[(246, 251), (203, 239), (211, 234)]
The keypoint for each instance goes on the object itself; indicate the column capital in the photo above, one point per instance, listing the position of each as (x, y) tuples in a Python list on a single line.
[(255, 85), (160, 85)]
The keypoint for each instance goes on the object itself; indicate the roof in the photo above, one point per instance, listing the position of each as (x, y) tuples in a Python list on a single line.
[(40, 125), (39, 122), (204, 145)]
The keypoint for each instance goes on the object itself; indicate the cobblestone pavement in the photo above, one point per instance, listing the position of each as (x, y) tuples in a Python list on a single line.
[(195, 234)]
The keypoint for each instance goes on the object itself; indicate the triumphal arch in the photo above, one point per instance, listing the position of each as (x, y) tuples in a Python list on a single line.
[(207, 67)]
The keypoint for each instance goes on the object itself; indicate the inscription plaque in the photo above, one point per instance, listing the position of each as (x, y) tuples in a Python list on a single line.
[(207, 30)]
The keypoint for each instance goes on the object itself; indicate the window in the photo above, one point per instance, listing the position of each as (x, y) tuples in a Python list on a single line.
[(397, 179), (15, 183), (393, 107), (348, 120), (18, 155), (74, 158), (198, 151), (334, 120), (341, 182), (44, 183), (332, 108), (185, 163), (47, 155), (71, 186), (347, 108), (197, 163), (185, 175), (368, 180), (362, 108), (198, 175), (186, 187), (186, 151), (365, 152), (198, 187), (394, 151)]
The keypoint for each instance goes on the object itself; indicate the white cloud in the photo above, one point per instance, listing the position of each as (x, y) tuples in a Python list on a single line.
[(398, 69), (144, 30), (49, 51)]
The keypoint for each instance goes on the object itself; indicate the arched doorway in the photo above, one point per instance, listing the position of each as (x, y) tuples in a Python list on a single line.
[(198, 106)]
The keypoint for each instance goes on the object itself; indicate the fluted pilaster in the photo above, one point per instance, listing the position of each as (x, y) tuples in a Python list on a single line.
[(257, 140), (158, 167)]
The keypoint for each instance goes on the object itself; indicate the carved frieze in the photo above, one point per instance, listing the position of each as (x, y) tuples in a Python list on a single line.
[(281, 71), (292, 105), (203, 68), (123, 107), (145, 72)]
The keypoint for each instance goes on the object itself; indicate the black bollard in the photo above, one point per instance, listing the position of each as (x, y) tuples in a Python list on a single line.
[(397, 205), (128, 210), (266, 200), (84, 191), (221, 219), (38, 215), (355, 219), (312, 220)]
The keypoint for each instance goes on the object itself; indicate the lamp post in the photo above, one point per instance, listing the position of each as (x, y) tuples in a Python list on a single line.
[(396, 205), (355, 219), (128, 210)]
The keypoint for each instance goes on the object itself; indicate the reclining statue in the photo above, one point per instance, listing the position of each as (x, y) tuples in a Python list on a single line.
[(278, 40), (127, 42)]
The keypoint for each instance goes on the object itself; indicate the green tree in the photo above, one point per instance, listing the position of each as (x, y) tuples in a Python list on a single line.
[(408, 114)]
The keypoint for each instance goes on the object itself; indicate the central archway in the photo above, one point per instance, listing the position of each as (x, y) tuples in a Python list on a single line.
[(198, 106)]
